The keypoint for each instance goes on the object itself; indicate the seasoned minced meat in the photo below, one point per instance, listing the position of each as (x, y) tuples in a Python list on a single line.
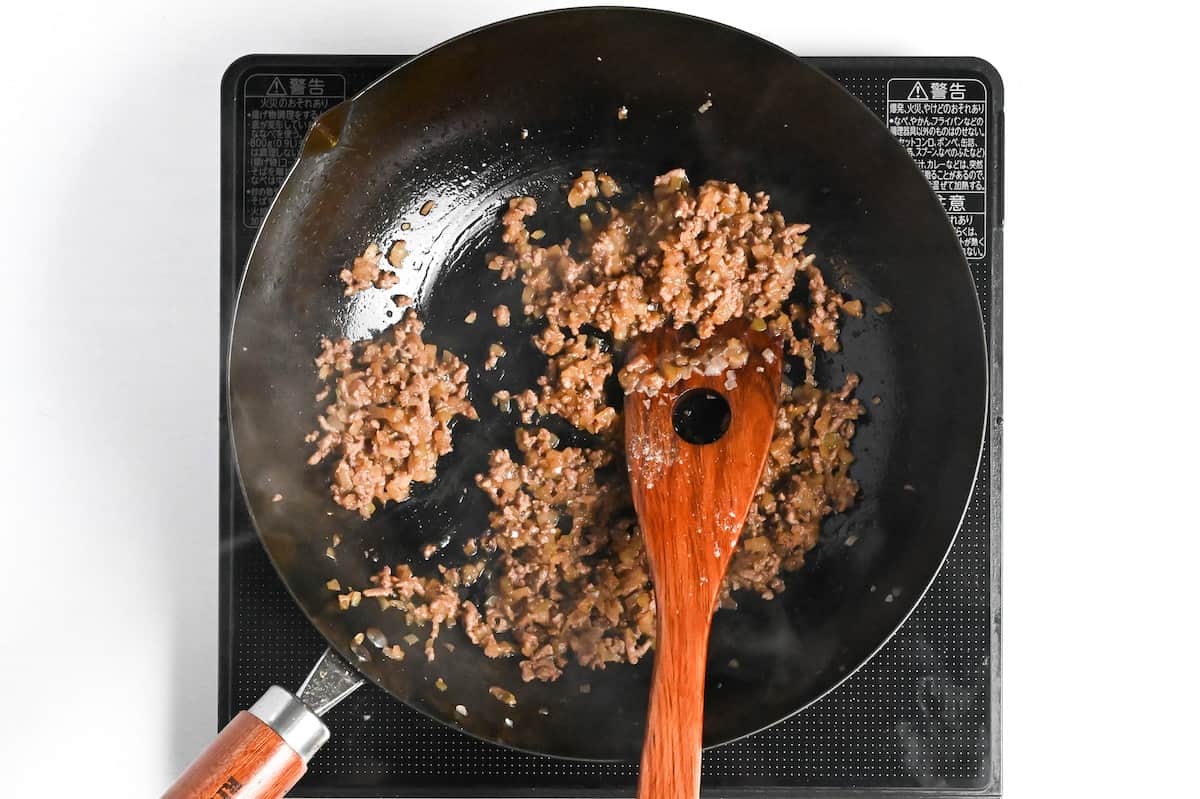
[(566, 573), (367, 269), (805, 479), (394, 401), (711, 357), (680, 257), (573, 386), (570, 572), (496, 351)]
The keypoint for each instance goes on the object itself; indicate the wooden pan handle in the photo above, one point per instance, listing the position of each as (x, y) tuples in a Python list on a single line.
[(261, 754), (675, 724)]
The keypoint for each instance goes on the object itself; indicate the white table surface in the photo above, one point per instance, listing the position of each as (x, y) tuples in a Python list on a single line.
[(109, 200)]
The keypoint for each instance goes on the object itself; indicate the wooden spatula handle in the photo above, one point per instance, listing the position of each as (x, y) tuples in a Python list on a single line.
[(261, 754), (674, 726)]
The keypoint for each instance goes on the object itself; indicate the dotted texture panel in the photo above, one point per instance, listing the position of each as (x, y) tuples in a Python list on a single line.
[(919, 716)]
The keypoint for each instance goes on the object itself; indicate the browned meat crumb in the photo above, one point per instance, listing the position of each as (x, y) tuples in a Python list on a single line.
[(426, 207), (583, 189), (402, 300), (363, 272), (398, 253), (390, 421), (526, 403), (496, 351), (470, 318), (502, 315), (516, 236), (853, 307), (503, 695), (367, 270), (823, 311), (607, 186)]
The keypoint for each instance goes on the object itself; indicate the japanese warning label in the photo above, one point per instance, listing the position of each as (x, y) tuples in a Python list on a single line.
[(279, 109), (943, 124)]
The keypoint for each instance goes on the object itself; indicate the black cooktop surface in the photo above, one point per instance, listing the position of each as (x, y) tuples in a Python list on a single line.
[(922, 716)]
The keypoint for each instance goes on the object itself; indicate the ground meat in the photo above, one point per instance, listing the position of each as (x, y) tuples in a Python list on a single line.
[(496, 351), (502, 315), (583, 189), (394, 401), (573, 386), (398, 253), (680, 257), (571, 577), (570, 573), (367, 269), (805, 479), (527, 403), (711, 357), (607, 186), (516, 236), (566, 572)]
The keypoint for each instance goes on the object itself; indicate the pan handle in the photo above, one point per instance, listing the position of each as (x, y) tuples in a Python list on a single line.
[(261, 754)]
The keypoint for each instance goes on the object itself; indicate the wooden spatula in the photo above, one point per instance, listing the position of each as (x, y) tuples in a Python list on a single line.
[(691, 499)]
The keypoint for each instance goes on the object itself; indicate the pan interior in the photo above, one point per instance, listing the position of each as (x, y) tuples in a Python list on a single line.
[(520, 108)]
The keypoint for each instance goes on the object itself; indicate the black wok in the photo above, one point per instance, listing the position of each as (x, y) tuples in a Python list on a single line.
[(448, 126)]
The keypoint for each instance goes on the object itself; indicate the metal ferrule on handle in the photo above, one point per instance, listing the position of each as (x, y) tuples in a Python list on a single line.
[(299, 727), (260, 754)]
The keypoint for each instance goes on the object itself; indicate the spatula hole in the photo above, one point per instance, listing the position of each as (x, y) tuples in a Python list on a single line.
[(701, 416)]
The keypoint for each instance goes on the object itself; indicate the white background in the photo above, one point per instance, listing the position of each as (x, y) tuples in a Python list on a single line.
[(110, 364)]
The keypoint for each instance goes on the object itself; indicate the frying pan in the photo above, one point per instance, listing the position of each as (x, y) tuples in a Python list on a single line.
[(520, 107)]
